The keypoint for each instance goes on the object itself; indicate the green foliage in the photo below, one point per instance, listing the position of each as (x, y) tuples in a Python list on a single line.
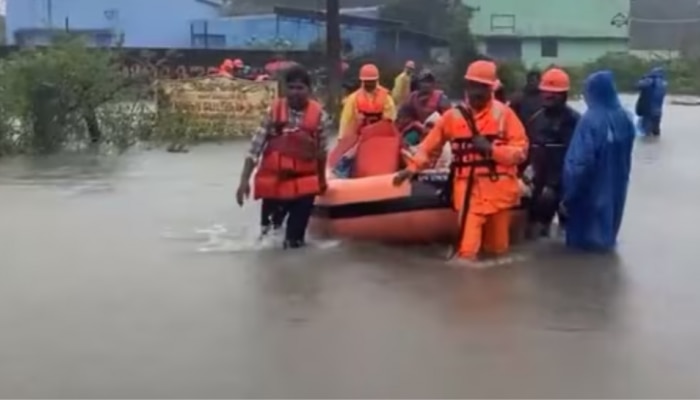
[(68, 96), (429, 16), (442, 18), (683, 75)]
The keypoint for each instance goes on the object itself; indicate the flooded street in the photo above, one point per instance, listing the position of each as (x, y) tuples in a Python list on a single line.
[(129, 276)]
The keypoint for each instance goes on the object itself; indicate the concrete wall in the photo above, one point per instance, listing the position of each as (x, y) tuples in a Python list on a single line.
[(583, 30), (568, 18), (143, 23)]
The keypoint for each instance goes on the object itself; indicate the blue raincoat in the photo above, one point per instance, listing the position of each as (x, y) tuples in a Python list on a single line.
[(597, 168), (652, 91)]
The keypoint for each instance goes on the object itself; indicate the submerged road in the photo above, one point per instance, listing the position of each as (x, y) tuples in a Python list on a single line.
[(133, 276)]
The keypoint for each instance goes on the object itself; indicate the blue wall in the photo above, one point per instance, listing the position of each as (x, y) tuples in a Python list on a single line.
[(239, 32), (144, 23)]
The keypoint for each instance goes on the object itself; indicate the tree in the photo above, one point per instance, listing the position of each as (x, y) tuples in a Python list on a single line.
[(429, 16), (446, 18)]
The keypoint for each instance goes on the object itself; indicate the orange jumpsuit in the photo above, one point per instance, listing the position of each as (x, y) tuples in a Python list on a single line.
[(495, 188)]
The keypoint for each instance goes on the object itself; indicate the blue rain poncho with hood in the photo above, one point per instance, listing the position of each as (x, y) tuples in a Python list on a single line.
[(652, 91), (597, 168)]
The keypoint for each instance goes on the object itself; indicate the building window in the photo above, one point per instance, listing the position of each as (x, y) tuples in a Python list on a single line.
[(549, 47), (505, 49), (209, 41)]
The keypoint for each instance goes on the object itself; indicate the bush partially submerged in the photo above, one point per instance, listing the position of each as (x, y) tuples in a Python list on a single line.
[(67, 96)]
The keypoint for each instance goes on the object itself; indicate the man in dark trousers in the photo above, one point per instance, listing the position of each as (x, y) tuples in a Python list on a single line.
[(550, 130), (288, 154)]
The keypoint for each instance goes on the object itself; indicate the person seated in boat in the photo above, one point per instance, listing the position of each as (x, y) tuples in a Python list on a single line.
[(427, 99), (488, 142), (289, 150), (411, 128), (368, 104)]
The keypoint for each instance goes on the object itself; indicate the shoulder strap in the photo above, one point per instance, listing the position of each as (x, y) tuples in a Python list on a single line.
[(313, 115), (533, 116), (279, 114), (469, 117)]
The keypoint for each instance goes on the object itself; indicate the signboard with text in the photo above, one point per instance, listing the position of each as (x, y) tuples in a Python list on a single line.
[(224, 107)]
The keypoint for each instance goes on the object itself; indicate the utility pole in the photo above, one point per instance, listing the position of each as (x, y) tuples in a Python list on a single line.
[(333, 46)]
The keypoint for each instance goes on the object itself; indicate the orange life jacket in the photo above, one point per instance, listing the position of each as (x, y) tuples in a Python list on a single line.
[(424, 110), (289, 165), (464, 156), (371, 108)]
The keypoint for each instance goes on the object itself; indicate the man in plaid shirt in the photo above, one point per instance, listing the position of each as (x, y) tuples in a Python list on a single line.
[(298, 209)]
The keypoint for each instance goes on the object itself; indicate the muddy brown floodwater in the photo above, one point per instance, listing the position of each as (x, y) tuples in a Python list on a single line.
[(133, 276)]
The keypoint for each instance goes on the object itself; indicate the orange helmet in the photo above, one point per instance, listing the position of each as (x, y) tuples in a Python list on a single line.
[(369, 72), (227, 64), (554, 80), (238, 63), (483, 72), (410, 64)]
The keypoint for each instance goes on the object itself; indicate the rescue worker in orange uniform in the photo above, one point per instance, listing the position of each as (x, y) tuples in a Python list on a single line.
[(226, 69), (368, 104), (402, 83), (488, 143), (289, 150), (549, 130)]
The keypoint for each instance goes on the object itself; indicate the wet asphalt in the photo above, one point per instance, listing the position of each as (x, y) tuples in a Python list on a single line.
[(135, 277)]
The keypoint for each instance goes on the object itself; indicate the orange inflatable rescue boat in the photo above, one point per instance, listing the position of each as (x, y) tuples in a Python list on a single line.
[(368, 207), (373, 209)]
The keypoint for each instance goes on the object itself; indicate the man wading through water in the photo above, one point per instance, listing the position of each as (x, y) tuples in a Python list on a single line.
[(289, 150), (550, 130), (488, 143)]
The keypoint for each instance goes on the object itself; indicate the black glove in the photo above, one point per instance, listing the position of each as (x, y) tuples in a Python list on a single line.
[(482, 145)]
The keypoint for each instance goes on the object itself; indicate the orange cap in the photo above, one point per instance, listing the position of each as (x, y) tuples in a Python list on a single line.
[(238, 63), (369, 72), (483, 72), (410, 64), (554, 80)]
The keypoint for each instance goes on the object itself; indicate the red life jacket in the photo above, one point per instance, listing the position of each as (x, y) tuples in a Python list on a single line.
[(289, 165), (371, 109), (424, 110)]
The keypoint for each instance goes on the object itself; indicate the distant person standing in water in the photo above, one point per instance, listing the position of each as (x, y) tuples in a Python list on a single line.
[(650, 103)]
